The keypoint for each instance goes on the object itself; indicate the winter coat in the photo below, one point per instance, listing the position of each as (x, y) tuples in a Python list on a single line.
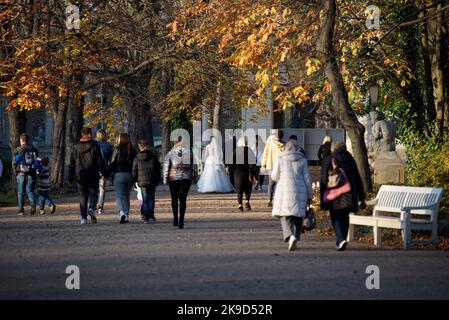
[(294, 185), (106, 153), (121, 162), (324, 151), (244, 171), (86, 163), (178, 165), (44, 178), (271, 153), (348, 200), (146, 169)]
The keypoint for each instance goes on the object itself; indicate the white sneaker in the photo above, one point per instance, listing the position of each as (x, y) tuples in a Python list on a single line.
[(292, 243), (83, 221), (342, 245)]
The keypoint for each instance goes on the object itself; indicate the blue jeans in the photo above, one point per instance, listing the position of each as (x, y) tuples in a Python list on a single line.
[(88, 193), (44, 197), (148, 201), (25, 184), (123, 184)]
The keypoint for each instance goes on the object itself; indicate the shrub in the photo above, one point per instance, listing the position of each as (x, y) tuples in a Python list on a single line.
[(428, 165)]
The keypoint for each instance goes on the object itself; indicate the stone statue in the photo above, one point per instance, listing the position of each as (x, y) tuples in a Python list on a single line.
[(386, 165), (383, 133)]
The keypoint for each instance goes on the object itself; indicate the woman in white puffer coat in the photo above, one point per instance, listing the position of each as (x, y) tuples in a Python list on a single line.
[(293, 192)]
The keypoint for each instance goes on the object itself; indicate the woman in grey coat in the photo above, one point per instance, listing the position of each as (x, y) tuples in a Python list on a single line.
[(293, 193)]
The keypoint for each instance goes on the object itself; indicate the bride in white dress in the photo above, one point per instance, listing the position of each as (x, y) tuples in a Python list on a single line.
[(214, 178)]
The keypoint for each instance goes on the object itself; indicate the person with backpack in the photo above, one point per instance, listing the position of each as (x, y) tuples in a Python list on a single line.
[(121, 168), (25, 166), (86, 165), (45, 186), (147, 174), (106, 155), (343, 198)]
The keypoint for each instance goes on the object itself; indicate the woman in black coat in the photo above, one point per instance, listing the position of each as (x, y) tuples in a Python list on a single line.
[(244, 167), (341, 207)]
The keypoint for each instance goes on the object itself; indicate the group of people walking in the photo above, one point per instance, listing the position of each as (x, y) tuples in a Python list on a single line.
[(290, 194)]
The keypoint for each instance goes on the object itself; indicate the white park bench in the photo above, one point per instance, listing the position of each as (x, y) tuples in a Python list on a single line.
[(405, 202)]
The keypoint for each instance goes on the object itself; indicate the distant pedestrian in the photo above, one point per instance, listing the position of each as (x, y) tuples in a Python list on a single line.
[(45, 186), (147, 174), (25, 167), (86, 166), (293, 192), (244, 168), (272, 151), (258, 149), (325, 149), (178, 172), (121, 168), (347, 202), (106, 155)]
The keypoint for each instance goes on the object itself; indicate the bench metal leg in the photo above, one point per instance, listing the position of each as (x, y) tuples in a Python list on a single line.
[(377, 235), (435, 236), (351, 233), (407, 232)]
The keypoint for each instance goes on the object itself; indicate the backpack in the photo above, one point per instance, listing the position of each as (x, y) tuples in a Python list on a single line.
[(28, 162)]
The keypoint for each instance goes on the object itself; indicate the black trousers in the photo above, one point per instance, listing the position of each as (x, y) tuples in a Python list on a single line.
[(340, 222), (242, 185), (88, 193), (179, 190)]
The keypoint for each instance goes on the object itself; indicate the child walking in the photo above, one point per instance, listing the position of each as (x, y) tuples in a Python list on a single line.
[(45, 186), (147, 174)]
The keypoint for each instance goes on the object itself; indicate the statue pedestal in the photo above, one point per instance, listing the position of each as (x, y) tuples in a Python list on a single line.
[(388, 169)]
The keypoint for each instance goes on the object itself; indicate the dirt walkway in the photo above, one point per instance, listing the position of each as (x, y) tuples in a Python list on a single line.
[(221, 254)]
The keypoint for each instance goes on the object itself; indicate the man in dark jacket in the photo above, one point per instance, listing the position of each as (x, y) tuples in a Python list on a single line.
[(341, 207), (106, 156), (86, 165), (25, 165), (147, 174)]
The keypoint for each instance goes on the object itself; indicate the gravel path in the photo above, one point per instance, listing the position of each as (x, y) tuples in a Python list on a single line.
[(221, 254)]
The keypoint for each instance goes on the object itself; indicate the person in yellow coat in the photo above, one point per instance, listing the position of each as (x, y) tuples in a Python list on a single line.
[(273, 149)]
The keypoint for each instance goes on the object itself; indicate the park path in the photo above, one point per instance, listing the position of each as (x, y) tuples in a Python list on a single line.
[(221, 254)]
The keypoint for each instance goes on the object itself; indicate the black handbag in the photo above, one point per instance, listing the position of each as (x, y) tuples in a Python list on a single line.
[(309, 222)]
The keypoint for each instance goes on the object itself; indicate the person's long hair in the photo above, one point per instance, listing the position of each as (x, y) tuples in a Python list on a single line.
[(124, 140)]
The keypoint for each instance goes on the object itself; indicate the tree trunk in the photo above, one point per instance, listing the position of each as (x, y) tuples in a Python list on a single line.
[(165, 77), (428, 87), (216, 124), (139, 120), (17, 125), (435, 32), (347, 116), (73, 130), (59, 142)]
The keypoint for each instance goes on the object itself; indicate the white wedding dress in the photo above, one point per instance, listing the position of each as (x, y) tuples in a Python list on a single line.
[(214, 178)]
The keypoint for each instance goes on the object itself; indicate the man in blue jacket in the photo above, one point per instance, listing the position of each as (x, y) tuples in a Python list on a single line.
[(106, 155)]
